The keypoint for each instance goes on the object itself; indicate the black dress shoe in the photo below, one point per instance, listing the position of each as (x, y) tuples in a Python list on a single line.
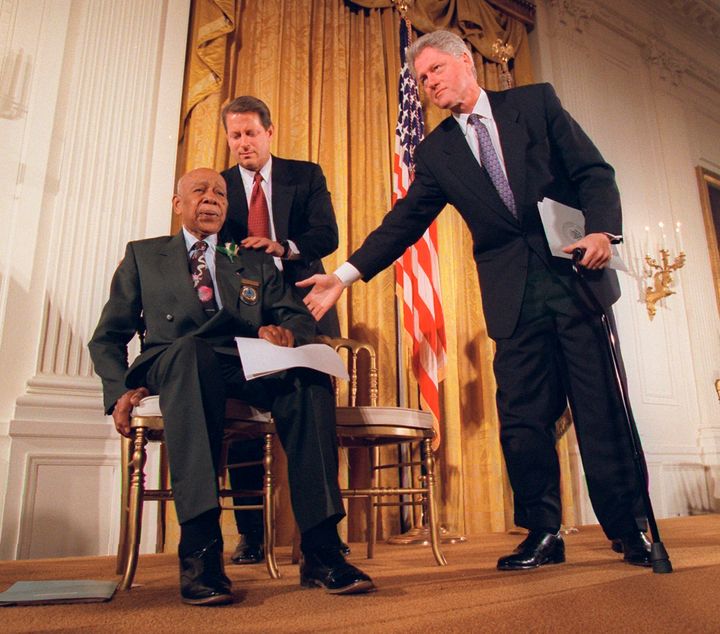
[(635, 549), (250, 550), (344, 548), (327, 568), (202, 577), (538, 548)]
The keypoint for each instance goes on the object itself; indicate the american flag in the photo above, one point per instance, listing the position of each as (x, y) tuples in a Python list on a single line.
[(417, 272)]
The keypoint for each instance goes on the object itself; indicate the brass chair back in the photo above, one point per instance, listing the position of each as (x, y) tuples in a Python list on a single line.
[(372, 426)]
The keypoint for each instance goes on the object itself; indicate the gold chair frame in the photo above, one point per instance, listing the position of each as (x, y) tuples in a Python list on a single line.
[(242, 422), (372, 427)]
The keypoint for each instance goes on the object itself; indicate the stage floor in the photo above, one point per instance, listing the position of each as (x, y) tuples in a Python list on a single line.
[(592, 592)]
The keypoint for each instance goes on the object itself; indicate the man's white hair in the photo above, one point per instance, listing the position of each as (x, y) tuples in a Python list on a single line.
[(444, 41)]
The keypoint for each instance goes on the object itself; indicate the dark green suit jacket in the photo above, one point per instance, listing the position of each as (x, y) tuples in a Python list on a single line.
[(152, 293)]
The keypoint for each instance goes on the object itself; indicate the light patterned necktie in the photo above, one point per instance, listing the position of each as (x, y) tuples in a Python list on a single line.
[(258, 214), (491, 163), (201, 278)]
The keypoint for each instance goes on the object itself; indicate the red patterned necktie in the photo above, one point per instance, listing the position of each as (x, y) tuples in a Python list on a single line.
[(258, 214), (491, 163), (201, 279)]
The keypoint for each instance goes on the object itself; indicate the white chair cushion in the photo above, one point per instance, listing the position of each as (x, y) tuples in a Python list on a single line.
[(366, 416), (149, 406), (234, 409)]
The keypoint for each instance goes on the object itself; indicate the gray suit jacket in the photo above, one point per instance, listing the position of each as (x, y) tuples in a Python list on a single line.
[(152, 293)]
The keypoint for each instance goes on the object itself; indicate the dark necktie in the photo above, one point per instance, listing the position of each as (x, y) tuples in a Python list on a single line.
[(201, 279), (258, 215), (491, 163)]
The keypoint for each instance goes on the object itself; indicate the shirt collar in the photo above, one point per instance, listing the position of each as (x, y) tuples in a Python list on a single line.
[(482, 107), (190, 240), (265, 171)]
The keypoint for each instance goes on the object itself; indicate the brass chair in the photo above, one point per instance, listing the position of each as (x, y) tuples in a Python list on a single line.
[(242, 422), (372, 426)]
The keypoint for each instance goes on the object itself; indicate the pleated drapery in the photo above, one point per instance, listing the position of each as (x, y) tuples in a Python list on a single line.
[(328, 70)]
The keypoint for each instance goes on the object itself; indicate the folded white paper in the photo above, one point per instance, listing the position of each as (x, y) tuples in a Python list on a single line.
[(260, 358), (564, 225)]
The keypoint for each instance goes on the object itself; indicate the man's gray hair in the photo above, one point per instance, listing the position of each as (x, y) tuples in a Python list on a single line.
[(444, 41)]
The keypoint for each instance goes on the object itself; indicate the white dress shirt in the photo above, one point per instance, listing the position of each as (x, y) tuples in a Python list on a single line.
[(482, 108), (248, 180), (346, 272)]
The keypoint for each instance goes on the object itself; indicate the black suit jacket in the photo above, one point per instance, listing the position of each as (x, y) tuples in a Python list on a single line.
[(546, 154), (302, 212), (152, 292)]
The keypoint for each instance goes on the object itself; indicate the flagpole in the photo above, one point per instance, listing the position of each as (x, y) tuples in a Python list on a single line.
[(415, 270)]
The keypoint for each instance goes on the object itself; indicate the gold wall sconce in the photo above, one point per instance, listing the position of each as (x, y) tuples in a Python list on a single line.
[(661, 271)]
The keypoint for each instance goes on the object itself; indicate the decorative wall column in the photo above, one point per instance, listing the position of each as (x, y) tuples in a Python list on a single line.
[(639, 79), (109, 135)]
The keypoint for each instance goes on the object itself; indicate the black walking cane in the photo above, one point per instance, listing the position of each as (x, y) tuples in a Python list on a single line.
[(658, 555)]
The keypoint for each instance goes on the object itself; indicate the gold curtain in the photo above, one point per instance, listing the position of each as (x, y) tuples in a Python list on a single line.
[(328, 71)]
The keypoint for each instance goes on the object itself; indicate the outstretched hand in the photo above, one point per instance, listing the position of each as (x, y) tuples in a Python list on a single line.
[(597, 250), (326, 290), (123, 408)]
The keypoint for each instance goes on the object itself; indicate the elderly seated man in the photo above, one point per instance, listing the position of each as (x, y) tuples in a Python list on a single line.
[(191, 297)]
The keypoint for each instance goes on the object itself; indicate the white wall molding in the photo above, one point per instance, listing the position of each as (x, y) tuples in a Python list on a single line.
[(644, 85), (92, 166), (574, 15), (38, 511), (703, 13), (675, 52), (669, 65)]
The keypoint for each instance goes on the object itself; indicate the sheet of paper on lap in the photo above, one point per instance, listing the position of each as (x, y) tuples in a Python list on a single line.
[(260, 358)]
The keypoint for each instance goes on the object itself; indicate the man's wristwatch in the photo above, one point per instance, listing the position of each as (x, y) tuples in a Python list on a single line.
[(286, 249)]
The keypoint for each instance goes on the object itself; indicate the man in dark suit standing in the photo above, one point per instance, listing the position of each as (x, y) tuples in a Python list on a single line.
[(282, 207), (494, 159), (191, 297)]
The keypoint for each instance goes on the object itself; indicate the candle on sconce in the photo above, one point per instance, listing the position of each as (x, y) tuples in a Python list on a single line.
[(647, 240), (678, 238), (663, 242)]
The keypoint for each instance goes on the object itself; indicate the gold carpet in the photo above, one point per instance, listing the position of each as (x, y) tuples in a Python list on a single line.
[(592, 592)]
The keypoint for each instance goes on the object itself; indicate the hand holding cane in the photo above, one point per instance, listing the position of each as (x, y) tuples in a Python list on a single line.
[(658, 555)]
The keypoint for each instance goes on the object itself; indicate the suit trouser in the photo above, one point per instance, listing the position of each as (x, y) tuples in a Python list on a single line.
[(251, 522), (558, 354), (193, 380)]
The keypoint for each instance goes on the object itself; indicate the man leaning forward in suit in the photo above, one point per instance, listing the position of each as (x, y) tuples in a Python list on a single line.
[(494, 159), (190, 360)]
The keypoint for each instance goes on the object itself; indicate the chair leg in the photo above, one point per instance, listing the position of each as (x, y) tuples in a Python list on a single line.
[(269, 509), (137, 486), (122, 552), (164, 484), (372, 501), (431, 506), (295, 552)]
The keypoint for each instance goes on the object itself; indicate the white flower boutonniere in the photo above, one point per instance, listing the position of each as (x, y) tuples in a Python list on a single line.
[(230, 249)]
